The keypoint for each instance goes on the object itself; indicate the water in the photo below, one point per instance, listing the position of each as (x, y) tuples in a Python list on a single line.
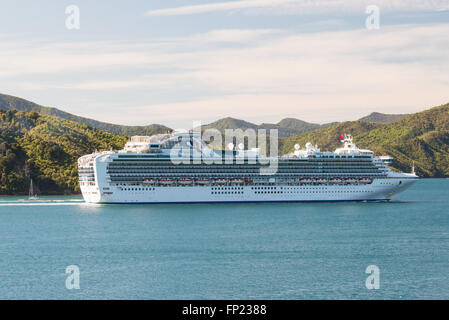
[(247, 251)]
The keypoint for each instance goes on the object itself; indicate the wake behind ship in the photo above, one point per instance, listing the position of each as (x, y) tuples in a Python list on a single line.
[(156, 170)]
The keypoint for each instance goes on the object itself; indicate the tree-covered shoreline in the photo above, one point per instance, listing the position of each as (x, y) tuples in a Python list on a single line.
[(46, 148)]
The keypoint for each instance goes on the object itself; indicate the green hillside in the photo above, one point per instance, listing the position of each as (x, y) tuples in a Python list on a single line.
[(383, 117), (301, 126), (421, 137), (45, 148), (286, 127), (230, 123), (8, 102)]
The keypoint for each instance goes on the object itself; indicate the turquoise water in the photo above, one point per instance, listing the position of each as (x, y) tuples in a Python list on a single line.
[(247, 251)]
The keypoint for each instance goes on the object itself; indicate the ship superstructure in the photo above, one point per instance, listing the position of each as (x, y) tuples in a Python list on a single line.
[(180, 168)]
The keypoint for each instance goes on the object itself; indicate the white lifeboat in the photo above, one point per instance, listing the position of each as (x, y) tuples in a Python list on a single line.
[(185, 181), (203, 181), (306, 180), (350, 180), (149, 181), (166, 181), (321, 180), (334, 180), (237, 180), (221, 180)]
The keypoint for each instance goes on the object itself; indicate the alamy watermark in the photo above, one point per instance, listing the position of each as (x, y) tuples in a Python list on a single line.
[(373, 280), (72, 21), (236, 147), (372, 22), (73, 279)]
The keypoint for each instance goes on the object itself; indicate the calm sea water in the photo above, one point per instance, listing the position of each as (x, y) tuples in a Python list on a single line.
[(247, 251)]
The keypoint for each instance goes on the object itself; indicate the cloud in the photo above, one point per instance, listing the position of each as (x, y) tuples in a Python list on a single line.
[(320, 77), (301, 6), (88, 85), (271, 108), (50, 60), (234, 35), (37, 57), (220, 6)]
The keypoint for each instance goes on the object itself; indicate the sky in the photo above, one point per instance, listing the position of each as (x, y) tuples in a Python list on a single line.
[(174, 62)]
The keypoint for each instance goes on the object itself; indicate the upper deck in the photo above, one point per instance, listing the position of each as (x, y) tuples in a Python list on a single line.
[(188, 144)]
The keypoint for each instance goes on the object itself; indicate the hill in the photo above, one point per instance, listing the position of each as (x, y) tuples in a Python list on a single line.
[(8, 102), (46, 148), (286, 127), (422, 137), (383, 117), (297, 125), (230, 123)]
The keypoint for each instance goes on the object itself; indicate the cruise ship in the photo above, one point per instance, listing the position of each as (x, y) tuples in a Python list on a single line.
[(179, 167)]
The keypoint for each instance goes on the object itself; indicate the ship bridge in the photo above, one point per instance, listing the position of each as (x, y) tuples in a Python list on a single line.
[(351, 149)]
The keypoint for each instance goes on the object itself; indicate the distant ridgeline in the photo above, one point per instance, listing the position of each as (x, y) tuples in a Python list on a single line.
[(43, 144), (9, 102)]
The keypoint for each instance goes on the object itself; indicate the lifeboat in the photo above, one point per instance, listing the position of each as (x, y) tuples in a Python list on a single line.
[(166, 181), (221, 180), (247, 181), (334, 180), (350, 180), (185, 181), (321, 180), (203, 181), (149, 181), (365, 180), (306, 180), (237, 180)]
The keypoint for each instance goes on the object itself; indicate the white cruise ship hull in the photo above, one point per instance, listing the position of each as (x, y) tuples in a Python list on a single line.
[(378, 190)]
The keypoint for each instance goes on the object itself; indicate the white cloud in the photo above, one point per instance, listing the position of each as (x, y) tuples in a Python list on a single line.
[(301, 6), (37, 57), (234, 35), (319, 77), (88, 85), (220, 6), (50, 60)]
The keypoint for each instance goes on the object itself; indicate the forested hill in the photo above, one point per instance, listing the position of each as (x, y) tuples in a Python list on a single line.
[(46, 148), (422, 137), (382, 117), (286, 127), (8, 102)]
